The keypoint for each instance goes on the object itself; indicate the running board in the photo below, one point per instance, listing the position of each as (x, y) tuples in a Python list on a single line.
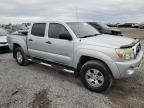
[(53, 65)]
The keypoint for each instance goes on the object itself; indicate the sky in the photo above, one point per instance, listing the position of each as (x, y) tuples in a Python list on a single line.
[(107, 11)]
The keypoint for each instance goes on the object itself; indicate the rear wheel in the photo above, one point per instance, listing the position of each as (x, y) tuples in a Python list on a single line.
[(95, 76), (20, 56)]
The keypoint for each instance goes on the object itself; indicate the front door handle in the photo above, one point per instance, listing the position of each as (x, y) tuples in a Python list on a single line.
[(48, 42), (30, 40)]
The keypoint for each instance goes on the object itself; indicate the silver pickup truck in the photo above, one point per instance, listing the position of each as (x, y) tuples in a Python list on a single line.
[(96, 58)]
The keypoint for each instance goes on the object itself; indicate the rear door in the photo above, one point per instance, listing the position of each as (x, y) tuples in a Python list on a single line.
[(36, 40)]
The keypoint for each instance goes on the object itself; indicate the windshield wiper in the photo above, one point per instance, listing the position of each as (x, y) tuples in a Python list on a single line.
[(89, 35)]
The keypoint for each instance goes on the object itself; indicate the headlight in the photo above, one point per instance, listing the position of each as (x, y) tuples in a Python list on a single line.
[(125, 54)]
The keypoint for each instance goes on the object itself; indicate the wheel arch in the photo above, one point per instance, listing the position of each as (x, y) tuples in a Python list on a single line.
[(83, 59), (15, 46)]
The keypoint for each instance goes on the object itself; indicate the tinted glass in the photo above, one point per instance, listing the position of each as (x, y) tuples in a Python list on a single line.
[(55, 30), (38, 29), (82, 29)]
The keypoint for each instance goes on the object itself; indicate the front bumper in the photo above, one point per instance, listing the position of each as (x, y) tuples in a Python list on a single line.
[(128, 68), (4, 48)]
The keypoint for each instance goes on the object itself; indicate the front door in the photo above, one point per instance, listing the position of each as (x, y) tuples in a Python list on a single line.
[(60, 45)]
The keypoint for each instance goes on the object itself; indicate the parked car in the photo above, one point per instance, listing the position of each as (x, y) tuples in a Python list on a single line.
[(14, 28), (113, 25), (135, 25), (96, 58), (3, 41), (141, 26), (21, 32), (103, 28), (126, 25)]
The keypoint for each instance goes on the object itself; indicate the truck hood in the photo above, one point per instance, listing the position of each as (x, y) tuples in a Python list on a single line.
[(111, 41), (3, 38)]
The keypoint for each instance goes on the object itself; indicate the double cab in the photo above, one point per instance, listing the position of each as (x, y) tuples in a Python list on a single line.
[(98, 59)]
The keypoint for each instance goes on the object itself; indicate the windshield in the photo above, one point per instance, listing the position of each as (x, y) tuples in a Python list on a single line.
[(82, 29), (3, 32)]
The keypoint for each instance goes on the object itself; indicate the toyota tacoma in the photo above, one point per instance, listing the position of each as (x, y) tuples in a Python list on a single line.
[(98, 59)]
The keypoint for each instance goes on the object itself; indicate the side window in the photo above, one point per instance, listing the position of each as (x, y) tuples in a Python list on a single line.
[(56, 30), (38, 29)]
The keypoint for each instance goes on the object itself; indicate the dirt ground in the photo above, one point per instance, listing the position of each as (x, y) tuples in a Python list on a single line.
[(37, 86), (129, 93), (133, 32)]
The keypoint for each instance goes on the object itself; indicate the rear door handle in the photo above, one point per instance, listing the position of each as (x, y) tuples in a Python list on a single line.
[(48, 42), (30, 40)]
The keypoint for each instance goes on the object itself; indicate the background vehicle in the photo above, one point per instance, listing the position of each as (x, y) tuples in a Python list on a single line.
[(135, 25), (141, 26), (96, 58), (20, 32), (103, 28), (14, 28), (3, 41), (126, 25)]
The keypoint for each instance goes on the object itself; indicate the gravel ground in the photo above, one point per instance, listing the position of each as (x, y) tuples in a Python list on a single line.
[(133, 32), (36, 85), (33, 85)]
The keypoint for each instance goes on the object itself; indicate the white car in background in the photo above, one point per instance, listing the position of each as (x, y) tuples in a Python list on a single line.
[(141, 26), (3, 40)]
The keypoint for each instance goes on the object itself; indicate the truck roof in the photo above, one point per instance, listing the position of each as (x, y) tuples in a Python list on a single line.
[(59, 21)]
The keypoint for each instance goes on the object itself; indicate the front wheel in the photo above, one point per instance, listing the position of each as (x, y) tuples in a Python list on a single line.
[(20, 57), (95, 76)]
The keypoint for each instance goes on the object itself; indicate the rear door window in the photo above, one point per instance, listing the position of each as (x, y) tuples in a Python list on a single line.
[(38, 29)]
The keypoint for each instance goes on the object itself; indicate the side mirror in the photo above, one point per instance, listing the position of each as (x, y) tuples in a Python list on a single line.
[(65, 37)]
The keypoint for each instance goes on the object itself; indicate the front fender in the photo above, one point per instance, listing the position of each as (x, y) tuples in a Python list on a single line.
[(98, 55)]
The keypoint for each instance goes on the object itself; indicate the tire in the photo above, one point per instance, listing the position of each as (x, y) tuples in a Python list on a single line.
[(95, 76), (20, 56)]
